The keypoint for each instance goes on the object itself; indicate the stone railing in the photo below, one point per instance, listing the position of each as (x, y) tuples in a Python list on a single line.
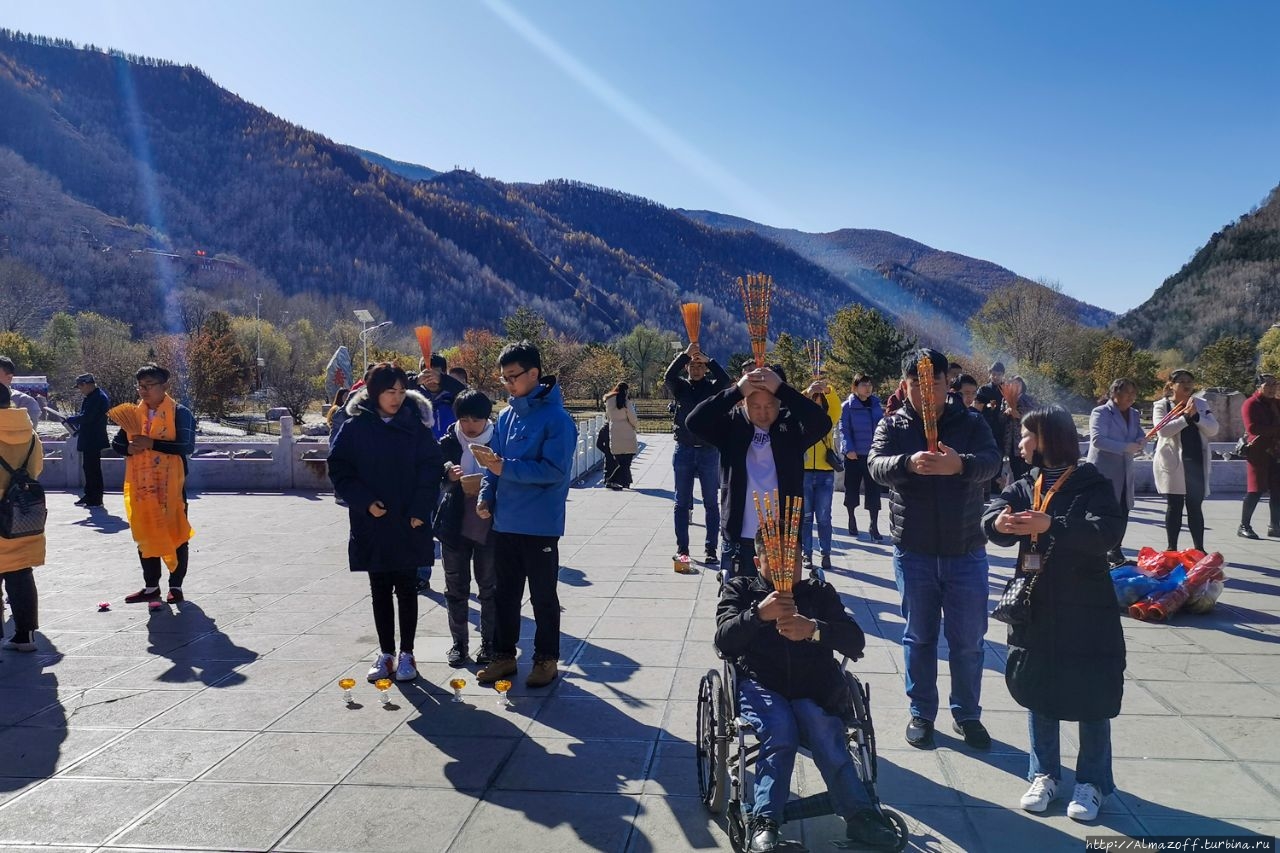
[(286, 464)]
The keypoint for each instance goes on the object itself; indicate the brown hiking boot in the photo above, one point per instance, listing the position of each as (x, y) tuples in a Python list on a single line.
[(544, 672), (502, 667)]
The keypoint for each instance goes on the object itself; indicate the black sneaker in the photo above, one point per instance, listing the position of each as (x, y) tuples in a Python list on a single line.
[(711, 558), (920, 733), (1246, 532), (867, 827), (1273, 531), (424, 586), (484, 657), (142, 595), (826, 562), (82, 502), (456, 657), (974, 733)]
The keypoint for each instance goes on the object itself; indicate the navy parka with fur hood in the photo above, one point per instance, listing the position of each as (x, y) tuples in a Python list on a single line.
[(398, 463)]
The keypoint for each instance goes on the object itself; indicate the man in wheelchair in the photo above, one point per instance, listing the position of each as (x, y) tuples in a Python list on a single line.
[(792, 692)]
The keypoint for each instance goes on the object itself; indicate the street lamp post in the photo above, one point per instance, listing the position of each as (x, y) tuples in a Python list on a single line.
[(257, 343), (366, 318)]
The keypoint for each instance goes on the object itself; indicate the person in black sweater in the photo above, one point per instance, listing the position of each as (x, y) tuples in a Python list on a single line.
[(694, 458), (762, 428), (791, 690), (939, 554)]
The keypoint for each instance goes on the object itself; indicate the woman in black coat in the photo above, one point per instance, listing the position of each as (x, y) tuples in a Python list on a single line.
[(1067, 661), (386, 465)]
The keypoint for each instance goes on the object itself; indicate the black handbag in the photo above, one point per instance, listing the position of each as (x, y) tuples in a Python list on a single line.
[(1014, 606), (833, 459), (22, 508)]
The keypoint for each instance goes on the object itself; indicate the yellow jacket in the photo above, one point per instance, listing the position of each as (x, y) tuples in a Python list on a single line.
[(15, 439), (815, 458)]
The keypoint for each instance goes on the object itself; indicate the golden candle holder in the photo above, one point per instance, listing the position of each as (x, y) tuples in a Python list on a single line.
[(347, 684), (457, 684), (383, 685), (502, 687)]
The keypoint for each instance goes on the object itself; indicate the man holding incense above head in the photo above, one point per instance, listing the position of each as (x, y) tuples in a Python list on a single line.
[(156, 436), (762, 428), (781, 632), (694, 458), (936, 456)]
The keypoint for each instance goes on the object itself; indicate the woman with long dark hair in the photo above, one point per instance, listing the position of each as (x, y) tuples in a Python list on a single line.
[(386, 465), (1115, 438), (1261, 413), (1181, 465), (623, 423), (1066, 660)]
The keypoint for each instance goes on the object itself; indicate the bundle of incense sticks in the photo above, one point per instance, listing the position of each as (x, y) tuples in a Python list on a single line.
[(813, 349), (692, 313), (928, 401), (126, 416), (1175, 412), (757, 292), (780, 525), (423, 334)]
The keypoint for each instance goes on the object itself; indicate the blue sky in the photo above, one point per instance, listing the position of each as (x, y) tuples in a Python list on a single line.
[(1095, 144)]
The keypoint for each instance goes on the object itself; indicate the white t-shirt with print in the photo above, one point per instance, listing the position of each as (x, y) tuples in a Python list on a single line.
[(762, 477)]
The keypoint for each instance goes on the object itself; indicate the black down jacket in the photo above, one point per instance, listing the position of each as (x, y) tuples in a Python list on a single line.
[(1068, 661), (940, 516), (796, 669), (398, 463)]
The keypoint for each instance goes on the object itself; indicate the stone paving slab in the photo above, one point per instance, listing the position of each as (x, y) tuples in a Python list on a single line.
[(218, 724)]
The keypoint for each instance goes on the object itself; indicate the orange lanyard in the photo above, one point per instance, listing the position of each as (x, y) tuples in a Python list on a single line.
[(1040, 505)]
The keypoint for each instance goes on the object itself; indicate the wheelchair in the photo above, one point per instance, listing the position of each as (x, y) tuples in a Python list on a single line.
[(723, 752)]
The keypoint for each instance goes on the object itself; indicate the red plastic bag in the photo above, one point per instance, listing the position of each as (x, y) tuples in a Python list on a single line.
[(1157, 564)]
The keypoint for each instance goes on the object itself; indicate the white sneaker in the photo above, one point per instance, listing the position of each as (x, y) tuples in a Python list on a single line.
[(1085, 802), (1040, 794), (406, 667), (14, 645), (381, 667)]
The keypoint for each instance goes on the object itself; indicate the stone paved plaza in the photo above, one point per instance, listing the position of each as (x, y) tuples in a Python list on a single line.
[(219, 725)]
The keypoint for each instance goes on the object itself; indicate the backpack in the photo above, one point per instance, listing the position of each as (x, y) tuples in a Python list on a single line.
[(22, 508)]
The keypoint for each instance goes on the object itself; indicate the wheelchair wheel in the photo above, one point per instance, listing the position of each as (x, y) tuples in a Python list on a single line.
[(737, 820), (899, 829), (712, 746)]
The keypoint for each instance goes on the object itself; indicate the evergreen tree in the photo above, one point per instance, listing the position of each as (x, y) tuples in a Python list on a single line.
[(1229, 362), (863, 341)]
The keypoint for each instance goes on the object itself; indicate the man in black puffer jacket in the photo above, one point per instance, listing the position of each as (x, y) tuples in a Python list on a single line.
[(939, 554), (762, 428), (790, 689)]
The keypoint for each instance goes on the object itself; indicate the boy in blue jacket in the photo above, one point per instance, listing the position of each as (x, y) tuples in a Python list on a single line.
[(529, 464)]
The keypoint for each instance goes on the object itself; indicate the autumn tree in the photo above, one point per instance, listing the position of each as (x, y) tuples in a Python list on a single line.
[(1229, 362), (108, 351), (1269, 351), (1030, 323), (599, 370), (298, 381), (1118, 358), (219, 366), (478, 355), (863, 341), (29, 298)]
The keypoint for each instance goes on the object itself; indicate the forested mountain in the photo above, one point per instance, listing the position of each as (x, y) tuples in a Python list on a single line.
[(1231, 286), (135, 184), (928, 280)]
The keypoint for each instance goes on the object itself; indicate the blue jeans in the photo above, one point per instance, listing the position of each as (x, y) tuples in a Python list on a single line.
[(702, 463), (819, 486), (783, 726), (1093, 765), (950, 592)]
